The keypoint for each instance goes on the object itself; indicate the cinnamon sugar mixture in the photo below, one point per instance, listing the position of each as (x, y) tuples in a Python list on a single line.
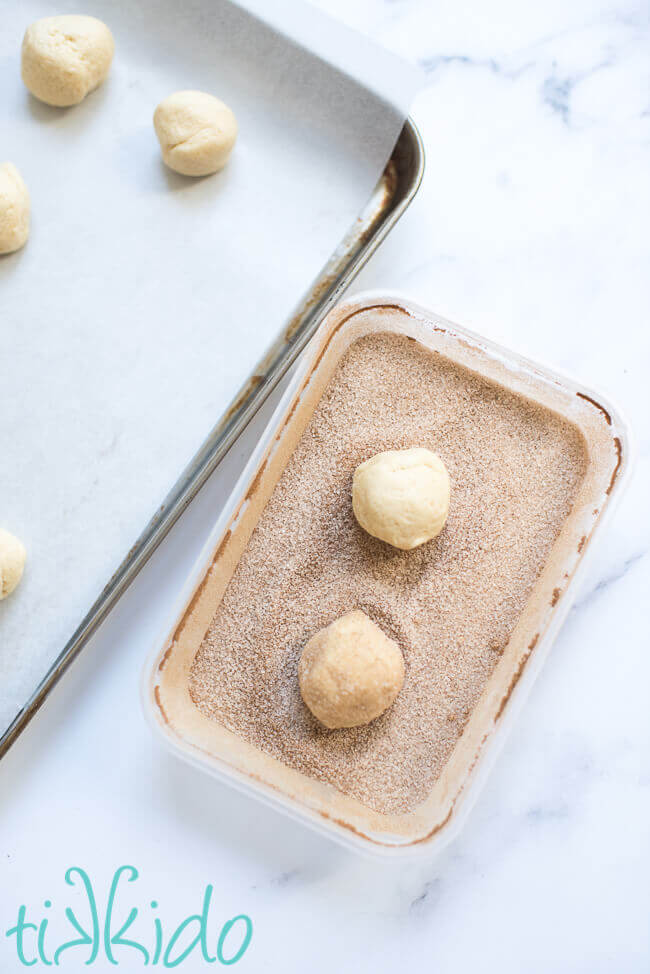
[(450, 604)]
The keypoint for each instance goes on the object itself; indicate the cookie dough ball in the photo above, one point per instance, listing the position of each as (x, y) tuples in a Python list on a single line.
[(402, 496), (64, 58), (196, 132), (350, 672), (12, 562), (14, 209)]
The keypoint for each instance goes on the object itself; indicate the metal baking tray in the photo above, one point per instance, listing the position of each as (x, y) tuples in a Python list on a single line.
[(215, 749), (395, 190)]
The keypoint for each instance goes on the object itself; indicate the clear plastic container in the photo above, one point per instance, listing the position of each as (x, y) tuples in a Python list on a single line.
[(214, 749)]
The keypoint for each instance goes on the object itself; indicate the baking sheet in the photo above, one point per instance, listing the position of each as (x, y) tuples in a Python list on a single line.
[(143, 300)]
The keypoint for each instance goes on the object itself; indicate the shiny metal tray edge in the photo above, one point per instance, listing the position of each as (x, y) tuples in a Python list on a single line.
[(393, 194)]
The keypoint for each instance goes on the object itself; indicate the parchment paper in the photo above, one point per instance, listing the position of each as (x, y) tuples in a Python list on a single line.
[(143, 299)]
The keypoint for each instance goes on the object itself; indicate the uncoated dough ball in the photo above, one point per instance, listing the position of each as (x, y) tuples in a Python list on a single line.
[(14, 209), (64, 58), (196, 132), (350, 672), (12, 562), (402, 496)]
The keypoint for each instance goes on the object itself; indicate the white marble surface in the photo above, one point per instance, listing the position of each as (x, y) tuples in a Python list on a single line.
[(531, 227)]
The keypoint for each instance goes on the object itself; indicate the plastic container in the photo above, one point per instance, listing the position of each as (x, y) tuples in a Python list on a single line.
[(214, 749)]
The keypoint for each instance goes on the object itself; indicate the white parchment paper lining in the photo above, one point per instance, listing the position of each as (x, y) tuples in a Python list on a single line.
[(143, 299)]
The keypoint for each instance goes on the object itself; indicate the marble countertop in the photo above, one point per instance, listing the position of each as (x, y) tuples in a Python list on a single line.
[(530, 228)]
